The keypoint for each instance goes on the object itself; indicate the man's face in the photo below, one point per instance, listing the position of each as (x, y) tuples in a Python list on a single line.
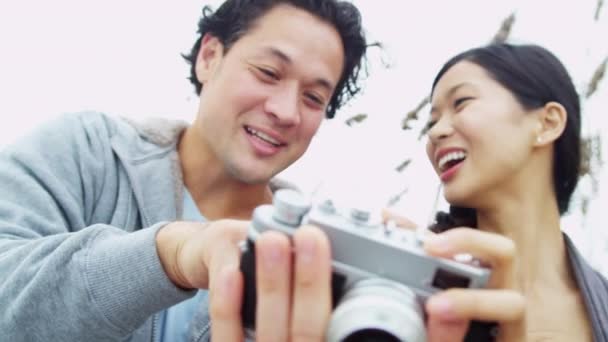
[(263, 100)]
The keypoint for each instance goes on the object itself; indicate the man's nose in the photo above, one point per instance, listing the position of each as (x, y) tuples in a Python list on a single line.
[(283, 104)]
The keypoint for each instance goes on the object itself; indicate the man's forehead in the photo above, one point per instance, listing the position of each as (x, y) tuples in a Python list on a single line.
[(274, 52)]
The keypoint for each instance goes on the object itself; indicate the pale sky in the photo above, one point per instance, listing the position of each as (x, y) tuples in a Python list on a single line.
[(122, 57)]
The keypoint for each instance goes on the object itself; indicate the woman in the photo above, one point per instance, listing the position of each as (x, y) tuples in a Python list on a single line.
[(504, 138)]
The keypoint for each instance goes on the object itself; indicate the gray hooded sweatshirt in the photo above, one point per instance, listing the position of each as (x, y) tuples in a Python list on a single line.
[(81, 201)]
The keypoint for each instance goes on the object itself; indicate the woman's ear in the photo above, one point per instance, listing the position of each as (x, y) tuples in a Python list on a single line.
[(209, 57), (552, 120)]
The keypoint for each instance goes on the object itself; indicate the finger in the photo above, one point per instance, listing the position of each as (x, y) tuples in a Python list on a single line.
[(221, 254), (312, 290), (273, 282), (446, 331), (400, 221), (492, 249), (485, 305), (225, 306)]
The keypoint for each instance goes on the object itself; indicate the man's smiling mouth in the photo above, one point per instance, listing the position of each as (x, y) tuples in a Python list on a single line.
[(264, 137)]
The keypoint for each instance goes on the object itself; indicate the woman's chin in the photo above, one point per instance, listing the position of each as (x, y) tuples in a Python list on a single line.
[(456, 198)]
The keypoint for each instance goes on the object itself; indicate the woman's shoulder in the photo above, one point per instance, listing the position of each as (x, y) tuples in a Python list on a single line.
[(583, 270), (594, 288)]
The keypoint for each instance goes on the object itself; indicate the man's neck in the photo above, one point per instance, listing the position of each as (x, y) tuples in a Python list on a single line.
[(215, 192)]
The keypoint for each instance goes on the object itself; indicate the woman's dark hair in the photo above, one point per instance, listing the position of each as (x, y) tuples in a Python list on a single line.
[(535, 77), (234, 18)]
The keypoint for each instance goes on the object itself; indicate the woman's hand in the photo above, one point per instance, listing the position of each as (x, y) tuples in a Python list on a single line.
[(450, 312)]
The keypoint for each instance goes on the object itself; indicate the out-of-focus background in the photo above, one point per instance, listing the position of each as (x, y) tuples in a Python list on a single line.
[(123, 58)]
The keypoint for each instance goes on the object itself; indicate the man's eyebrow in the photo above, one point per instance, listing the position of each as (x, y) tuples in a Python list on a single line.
[(324, 83), (286, 59), (452, 91), (278, 54)]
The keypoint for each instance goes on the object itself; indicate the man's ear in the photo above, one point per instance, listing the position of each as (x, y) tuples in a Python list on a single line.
[(209, 57), (552, 120)]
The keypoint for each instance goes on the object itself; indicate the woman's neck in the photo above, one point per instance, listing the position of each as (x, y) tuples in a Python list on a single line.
[(541, 257)]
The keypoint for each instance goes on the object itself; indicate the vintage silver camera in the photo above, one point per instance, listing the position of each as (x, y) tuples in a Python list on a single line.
[(380, 275)]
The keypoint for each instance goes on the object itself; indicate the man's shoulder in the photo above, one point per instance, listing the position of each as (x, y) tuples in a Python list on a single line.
[(77, 127), (155, 130), (92, 132), (158, 130)]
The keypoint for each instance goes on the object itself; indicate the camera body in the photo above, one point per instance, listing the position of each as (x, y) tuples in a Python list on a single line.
[(380, 274)]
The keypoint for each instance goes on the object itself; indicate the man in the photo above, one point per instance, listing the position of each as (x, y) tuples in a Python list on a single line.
[(95, 242)]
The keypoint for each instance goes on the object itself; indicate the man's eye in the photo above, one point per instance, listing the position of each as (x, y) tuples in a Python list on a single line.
[(315, 99)]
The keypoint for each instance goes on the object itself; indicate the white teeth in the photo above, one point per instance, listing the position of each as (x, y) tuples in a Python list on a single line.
[(451, 157), (263, 136)]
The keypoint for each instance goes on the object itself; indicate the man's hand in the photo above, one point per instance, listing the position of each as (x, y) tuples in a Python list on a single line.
[(293, 278), (190, 251)]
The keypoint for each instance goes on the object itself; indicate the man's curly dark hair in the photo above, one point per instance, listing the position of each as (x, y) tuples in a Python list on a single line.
[(234, 18)]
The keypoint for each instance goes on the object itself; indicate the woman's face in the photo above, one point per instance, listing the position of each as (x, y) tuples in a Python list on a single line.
[(480, 137)]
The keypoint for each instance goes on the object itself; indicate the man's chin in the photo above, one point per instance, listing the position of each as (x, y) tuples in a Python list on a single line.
[(255, 180), (252, 175)]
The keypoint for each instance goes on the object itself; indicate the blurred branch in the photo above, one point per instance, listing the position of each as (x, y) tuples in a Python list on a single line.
[(413, 114), (396, 198), (505, 29), (591, 163), (585, 206), (356, 119), (598, 9), (591, 160), (598, 75), (403, 165)]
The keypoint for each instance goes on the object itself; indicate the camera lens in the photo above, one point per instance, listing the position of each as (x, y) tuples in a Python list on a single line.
[(377, 309), (371, 335)]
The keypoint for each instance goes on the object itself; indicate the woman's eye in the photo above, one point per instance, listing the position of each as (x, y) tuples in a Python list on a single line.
[(268, 73)]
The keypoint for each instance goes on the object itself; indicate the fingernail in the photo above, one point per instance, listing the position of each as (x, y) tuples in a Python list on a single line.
[(306, 250), (440, 306)]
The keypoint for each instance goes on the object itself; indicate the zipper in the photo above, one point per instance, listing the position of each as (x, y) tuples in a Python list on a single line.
[(203, 332), (156, 336)]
